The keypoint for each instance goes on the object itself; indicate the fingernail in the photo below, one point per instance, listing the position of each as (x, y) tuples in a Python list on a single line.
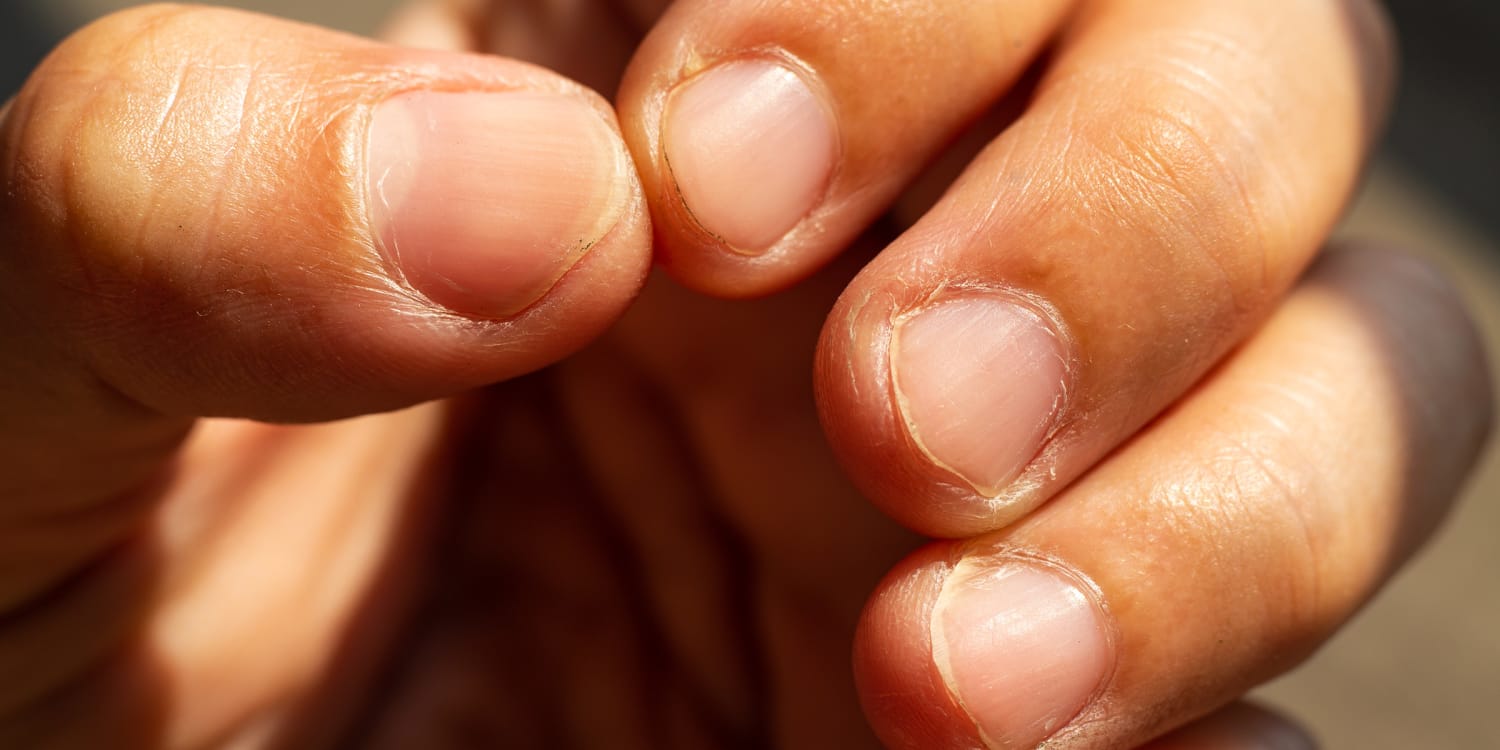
[(1021, 648), (751, 148), (979, 381), (485, 200)]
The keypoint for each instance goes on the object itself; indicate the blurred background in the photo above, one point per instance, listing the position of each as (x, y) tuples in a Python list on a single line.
[(1420, 669)]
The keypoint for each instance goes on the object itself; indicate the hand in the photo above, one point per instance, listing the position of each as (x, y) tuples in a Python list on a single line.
[(648, 544)]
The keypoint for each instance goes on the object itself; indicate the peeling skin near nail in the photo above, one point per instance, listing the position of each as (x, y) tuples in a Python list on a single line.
[(853, 333)]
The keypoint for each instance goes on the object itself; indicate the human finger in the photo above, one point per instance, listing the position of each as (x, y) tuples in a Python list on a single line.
[(213, 213), (1213, 552)]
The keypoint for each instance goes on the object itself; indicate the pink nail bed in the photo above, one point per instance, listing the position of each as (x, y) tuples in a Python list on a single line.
[(980, 379), (1022, 647), (485, 200), (751, 148)]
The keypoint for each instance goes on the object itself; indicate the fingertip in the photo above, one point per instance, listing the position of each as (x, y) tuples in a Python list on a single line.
[(963, 647), (739, 155), (1022, 645), (511, 215), (979, 379)]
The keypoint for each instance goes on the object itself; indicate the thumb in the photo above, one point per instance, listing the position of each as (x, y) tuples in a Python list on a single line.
[(208, 212)]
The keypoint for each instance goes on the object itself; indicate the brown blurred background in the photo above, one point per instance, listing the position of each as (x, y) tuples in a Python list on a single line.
[(1420, 669)]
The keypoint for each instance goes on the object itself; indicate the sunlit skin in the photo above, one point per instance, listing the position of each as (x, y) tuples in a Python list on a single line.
[(601, 505)]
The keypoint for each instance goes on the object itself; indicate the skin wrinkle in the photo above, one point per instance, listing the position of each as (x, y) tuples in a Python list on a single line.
[(161, 159), (1178, 72), (1144, 176), (1250, 473), (308, 77), (1314, 606), (100, 520), (233, 281), (1216, 491), (653, 639), (656, 636), (1228, 171), (345, 130), (173, 99), (1233, 107), (214, 214), (852, 331)]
